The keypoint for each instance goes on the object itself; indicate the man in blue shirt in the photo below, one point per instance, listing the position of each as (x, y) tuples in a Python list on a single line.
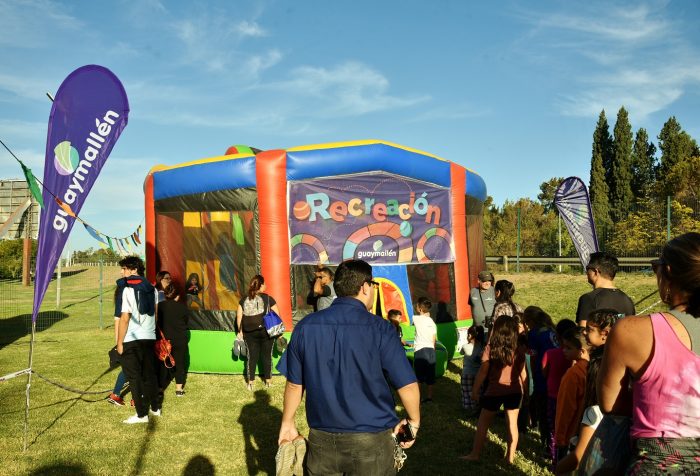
[(346, 358)]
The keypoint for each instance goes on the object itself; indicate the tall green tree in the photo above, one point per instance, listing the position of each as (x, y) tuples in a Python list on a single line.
[(598, 185), (621, 196), (676, 146), (643, 166), (547, 191)]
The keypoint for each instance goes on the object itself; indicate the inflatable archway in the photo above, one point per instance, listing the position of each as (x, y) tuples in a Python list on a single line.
[(214, 223)]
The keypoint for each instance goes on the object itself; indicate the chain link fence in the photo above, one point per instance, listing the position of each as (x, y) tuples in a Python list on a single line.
[(84, 285)]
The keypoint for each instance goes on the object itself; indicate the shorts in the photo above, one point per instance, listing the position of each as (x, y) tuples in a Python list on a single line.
[(493, 403), (424, 365)]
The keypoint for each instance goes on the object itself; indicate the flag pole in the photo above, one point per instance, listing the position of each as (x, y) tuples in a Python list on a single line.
[(29, 385), (31, 349)]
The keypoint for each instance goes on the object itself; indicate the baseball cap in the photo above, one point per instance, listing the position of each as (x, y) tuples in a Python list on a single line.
[(485, 276)]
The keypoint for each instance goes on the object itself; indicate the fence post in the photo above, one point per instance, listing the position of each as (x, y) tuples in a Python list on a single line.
[(505, 263), (668, 218), (517, 254), (559, 221), (58, 284), (100, 292)]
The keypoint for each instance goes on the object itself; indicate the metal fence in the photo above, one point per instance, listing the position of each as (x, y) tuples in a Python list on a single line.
[(88, 284)]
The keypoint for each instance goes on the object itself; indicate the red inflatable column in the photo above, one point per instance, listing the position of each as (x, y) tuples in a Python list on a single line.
[(151, 265), (271, 180), (458, 177)]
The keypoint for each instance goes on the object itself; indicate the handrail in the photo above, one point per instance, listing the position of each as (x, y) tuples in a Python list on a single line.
[(628, 261)]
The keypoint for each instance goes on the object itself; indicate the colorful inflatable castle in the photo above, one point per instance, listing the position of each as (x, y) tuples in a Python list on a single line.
[(215, 223)]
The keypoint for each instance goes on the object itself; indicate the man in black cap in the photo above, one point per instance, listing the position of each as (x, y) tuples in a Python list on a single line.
[(482, 298)]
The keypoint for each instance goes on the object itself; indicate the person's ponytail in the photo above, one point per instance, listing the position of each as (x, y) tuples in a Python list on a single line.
[(694, 303)]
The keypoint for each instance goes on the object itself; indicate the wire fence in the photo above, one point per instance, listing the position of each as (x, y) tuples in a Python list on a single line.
[(89, 285)]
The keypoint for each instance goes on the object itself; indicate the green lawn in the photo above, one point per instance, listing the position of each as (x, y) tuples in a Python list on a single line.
[(218, 424)]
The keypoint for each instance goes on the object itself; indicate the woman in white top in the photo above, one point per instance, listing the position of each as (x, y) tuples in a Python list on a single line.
[(424, 346)]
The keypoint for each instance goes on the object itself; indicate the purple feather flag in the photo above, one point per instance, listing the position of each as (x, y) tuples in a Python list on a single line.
[(89, 113), (571, 199)]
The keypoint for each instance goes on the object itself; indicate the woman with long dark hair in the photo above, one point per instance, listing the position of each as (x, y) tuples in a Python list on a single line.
[(505, 306), (249, 323), (172, 320), (163, 279), (660, 355)]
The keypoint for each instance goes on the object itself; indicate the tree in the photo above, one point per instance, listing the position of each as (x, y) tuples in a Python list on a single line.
[(547, 191), (676, 145), (11, 255), (598, 185), (538, 230), (92, 255), (621, 196), (643, 166), (684, 179)]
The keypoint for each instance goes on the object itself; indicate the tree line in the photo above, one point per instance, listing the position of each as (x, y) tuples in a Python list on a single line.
[(633, 182)]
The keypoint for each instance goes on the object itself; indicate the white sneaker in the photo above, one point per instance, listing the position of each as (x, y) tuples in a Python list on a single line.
[(154, 413), (136, 419)]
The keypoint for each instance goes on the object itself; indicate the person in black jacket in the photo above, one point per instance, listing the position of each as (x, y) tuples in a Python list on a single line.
[(172, 320)]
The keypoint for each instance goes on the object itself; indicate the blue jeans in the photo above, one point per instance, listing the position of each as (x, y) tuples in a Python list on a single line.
[(119, 384), (362, 454)]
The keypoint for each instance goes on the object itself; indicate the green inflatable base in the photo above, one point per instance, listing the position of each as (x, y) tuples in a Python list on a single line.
[(212, 351)]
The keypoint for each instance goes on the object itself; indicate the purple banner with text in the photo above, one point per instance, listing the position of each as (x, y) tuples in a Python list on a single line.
[(380, 218), (571, 199), (89, 112)]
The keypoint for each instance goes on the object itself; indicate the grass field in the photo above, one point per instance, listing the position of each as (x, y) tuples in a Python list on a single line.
[(218, 427)]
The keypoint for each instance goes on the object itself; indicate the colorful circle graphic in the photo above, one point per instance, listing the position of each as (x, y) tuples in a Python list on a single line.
[(66, 158), (387, 229), (313, 242), (433, 232)]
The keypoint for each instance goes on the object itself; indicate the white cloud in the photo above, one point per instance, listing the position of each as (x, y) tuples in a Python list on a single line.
[(259, 63), (27, 86), (15, 129), (624, 24), (348, 89), (250, 28), (29, 23), (633, 56), (210, 40)]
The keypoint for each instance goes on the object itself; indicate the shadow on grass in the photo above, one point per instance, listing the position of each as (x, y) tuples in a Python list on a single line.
[(143, 448), (199, 465), (83, 301), (21, 410), (15, 328), (66, 468), (74, 401), (260, 424)]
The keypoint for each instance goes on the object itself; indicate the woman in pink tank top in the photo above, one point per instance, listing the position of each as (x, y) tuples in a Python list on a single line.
[(656, 352)]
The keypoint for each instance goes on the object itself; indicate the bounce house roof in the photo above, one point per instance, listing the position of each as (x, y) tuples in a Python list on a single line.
[(311, 161)]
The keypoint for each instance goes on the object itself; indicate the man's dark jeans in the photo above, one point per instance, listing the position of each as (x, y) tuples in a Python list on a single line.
[(365, 454), (139, 365)]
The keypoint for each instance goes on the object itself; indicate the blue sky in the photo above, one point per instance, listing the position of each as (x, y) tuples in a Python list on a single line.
[(509, 89)]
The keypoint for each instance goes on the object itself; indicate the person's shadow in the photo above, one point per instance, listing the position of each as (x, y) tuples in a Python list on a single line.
[(260, 422)]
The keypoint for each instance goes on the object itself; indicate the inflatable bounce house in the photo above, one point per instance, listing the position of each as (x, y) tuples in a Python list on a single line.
[(215, 223)]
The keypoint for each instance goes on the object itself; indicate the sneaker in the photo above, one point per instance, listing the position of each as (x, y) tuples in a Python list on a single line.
[(179, 393), (136, 419), (299, 454), (154, 412), (115, 399), (284, 459)]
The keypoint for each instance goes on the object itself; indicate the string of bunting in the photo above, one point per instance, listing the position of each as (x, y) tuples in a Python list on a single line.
[(122, 246)]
